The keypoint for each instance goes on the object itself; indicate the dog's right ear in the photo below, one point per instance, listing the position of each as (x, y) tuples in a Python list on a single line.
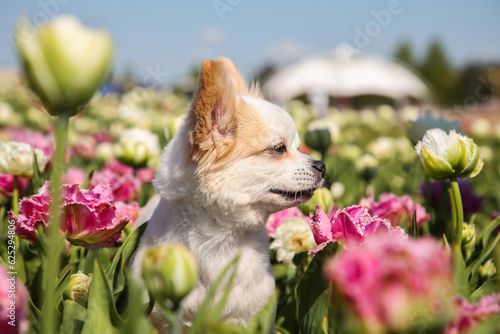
[(212, 119)]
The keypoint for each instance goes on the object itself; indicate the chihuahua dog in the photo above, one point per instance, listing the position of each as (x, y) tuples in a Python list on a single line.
[(233, 162)]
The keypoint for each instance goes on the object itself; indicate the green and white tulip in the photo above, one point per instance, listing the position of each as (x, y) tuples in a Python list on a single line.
[(445, 155), (64, 62)]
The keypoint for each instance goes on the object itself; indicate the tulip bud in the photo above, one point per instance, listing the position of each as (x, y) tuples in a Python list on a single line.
[(322, 197), (367, 166), (104, 152), (337, 189), (17, 159), (170, 272), (64, 62), (445, 155), (468, 233), (137, 147), (487, 270), (78, 288), (319, 140), (173, 126)]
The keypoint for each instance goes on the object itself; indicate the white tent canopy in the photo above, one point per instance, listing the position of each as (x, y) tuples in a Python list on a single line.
[(335, 74)]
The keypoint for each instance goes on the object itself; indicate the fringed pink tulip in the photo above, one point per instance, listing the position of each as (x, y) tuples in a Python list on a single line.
[(470, 315), (395, 209), (121, 180), (130, 211), (351, 225), (88, 216)]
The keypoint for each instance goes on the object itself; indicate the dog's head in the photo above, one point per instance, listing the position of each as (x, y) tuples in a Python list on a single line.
[(242, 160)]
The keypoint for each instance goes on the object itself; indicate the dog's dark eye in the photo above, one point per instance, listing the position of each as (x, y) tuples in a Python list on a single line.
[(280, 148)]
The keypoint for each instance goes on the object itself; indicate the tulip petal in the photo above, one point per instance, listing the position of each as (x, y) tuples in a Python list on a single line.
[(435, 166)]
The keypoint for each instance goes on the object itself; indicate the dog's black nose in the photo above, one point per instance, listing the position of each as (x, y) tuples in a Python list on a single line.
[(320, 166)]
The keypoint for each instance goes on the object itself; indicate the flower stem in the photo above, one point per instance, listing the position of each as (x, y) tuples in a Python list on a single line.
[(453, 215), (15, 196), (459, 210), (50, 324), (177, 325)]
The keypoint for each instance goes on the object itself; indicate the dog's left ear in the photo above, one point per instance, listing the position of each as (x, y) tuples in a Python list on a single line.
[(240, 85), (212, 119)]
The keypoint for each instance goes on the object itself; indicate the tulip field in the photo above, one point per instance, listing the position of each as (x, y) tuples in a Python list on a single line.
[(402, 238)]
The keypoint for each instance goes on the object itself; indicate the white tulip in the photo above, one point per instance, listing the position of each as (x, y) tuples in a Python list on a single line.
[(17, 159)]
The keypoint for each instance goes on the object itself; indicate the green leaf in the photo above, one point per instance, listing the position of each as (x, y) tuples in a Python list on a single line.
[(487, 288), (36, 182), (136, 320), (485, 234), (264, 321), (311, 293), (65, 275), (473, 268), (460, 276), (102, 316), (489, 326), (86, 183), (32, 261), (73, 317), (115, 268), (414, 226), (206, 315), (218, 308)]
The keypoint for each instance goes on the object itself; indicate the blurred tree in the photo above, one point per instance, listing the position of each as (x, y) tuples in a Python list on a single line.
[(472, 86), (440, 75), (404, 53), (264, 73)]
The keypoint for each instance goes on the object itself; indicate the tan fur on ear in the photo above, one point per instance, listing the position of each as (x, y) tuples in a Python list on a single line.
[(212, 118), (239, 83)]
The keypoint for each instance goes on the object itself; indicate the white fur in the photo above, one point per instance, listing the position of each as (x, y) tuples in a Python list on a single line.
[(221, 214)]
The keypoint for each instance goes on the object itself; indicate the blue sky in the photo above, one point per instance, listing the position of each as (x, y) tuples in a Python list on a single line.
[(171, 37)]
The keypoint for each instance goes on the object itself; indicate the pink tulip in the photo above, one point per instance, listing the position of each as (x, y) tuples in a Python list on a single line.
[(88, 216), (146, 175), (392, 284), (470, 315), (34, 139), (74, 175), (395, 209), (121, 180), (85, 147), (13, 304), (130, 211), (278, 218), (7, 187), (351, 225)]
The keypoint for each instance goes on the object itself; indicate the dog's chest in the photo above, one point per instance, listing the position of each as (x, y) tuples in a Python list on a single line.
[(254, 281)]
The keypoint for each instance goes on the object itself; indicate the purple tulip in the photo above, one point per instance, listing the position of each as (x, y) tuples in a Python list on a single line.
[(471, 201)]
